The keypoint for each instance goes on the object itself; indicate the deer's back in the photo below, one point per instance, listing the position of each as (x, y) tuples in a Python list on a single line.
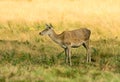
[(75, 36)]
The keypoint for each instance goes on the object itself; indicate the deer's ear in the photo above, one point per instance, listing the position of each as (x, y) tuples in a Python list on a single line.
[(51, 25), (46, 24)]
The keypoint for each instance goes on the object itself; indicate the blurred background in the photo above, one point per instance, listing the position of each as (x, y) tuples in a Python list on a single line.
[(102, 16)]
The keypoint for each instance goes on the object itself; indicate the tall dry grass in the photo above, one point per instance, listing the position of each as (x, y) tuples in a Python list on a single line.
[(101, 16)]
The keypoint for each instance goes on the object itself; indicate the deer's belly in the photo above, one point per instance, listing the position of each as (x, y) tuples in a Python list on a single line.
[(73, 45), (76, 45)]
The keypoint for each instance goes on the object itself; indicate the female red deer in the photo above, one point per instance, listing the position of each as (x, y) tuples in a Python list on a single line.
[(70, 39)]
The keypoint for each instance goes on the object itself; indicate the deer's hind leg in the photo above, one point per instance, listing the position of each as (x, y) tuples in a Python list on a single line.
[(86, 45)]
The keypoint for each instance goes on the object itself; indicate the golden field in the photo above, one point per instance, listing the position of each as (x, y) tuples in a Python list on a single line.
[(25, 56), (102, 17)]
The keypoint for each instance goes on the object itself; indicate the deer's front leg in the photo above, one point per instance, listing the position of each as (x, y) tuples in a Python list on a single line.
[(69, 55), (66, 55)]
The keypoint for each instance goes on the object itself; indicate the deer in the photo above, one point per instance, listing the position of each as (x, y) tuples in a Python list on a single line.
[(70, 39)]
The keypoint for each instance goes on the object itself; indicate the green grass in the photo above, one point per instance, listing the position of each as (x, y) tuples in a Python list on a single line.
[(25, 56)]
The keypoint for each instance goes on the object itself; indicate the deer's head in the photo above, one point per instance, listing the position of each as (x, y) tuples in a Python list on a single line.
[(47, 30)]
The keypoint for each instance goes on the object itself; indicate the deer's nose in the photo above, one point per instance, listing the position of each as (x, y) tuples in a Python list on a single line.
[(40, 33)]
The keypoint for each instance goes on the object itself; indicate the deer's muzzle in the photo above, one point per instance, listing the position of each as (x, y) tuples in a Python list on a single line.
[(40, 33)]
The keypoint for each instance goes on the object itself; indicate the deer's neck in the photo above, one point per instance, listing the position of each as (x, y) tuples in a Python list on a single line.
[(54, 37)]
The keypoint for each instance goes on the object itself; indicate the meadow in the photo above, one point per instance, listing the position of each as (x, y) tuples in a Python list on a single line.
[(25, 56)]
